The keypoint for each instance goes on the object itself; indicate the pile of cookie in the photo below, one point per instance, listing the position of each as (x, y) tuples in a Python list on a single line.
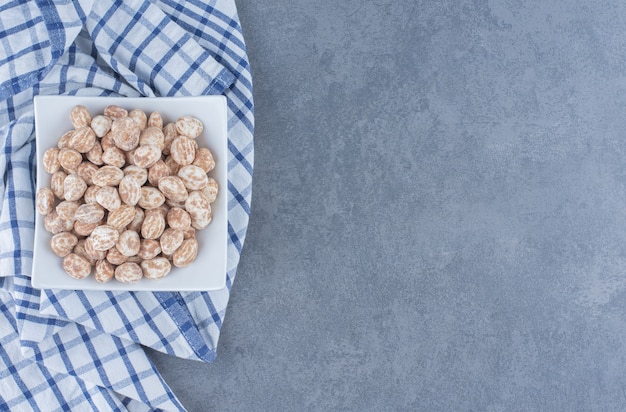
[(127, 194)]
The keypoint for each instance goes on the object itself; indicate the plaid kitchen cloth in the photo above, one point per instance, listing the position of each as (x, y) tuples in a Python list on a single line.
[(84, 350)]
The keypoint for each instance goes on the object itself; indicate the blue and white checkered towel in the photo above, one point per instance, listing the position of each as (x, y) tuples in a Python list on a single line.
[(72, 350)]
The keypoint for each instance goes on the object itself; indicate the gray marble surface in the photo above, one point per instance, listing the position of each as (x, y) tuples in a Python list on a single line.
[(439, 211)]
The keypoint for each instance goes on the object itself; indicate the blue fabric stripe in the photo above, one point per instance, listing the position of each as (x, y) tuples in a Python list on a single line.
[(53, 386), (241, 115), (26, 393), (20, 27), (240, 199), (233, 238), (149, 320), (56, 32), (174, 304), (7, 6)]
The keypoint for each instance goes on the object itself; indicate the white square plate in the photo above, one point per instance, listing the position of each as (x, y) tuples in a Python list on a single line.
[(208, 271)]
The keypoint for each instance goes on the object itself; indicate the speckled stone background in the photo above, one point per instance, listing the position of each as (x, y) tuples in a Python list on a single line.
[(439, 211)]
